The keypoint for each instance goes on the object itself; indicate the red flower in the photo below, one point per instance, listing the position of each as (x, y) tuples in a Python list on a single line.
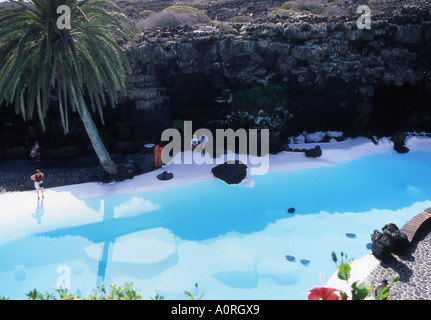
[(322, 293)]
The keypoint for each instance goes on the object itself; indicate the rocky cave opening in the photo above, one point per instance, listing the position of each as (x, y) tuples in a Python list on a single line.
[(400, 108), (199, 98)]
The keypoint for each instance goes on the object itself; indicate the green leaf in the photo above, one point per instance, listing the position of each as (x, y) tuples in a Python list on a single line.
[(395, 279), (360, 292), (383, 294), (343, 295), (334, 256), (189, 295), (344, 271)]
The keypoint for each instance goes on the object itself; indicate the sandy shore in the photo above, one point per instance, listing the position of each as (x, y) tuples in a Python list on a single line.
[(190, 173)]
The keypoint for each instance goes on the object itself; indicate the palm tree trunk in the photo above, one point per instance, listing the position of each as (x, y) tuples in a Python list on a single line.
[(105, 161)]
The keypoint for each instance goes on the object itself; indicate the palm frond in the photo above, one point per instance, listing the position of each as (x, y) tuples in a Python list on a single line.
[(37, 58)]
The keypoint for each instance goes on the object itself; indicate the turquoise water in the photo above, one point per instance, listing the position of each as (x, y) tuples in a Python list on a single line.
[(236, 242)]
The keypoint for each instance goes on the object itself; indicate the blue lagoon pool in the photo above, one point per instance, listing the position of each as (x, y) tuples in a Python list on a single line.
[(236, 242)]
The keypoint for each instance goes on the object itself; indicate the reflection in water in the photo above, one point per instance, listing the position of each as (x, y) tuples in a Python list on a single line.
[(19, 273), (120, 257), (241, 279), (39, 211), (103, 262), (108, 206)]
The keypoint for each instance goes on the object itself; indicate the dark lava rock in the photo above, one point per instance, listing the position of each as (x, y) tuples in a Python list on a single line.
[(127, 169), (275, 144), (399, 238), (399, 139), (291, 210), (305, 262), (165, 176), (290, 258), (381, 246), (390, 240), (230, 172), (313, 153)]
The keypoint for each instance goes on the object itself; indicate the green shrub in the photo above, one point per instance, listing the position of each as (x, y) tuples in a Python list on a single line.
[(302, 5), (280, 13), (125, 292), (260, 107), (288, 5), (188, 10), (174, 16), (145, 13)]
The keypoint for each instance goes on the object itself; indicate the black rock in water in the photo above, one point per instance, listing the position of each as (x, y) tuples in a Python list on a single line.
[(305, 262), (290, 258), (230, 172)]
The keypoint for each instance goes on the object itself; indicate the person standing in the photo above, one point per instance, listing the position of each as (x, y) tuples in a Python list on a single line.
[(158, 155), (377, 290), (35, 151), (203, 142), (38, 182), (194, 142)]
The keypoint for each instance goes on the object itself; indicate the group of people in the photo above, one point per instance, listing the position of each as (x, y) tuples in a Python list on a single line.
[(199, 144)]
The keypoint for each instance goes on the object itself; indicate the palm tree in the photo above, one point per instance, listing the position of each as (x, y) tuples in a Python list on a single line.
[(41, 57)]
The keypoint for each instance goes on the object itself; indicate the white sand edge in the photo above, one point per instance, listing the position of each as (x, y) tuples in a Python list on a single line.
[(361, 268), (191, 173)]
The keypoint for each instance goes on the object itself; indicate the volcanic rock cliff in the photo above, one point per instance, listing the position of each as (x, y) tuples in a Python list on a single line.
[(338, 77)]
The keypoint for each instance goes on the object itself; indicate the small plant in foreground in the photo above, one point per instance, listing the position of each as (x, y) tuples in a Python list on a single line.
[(358, 290), (158, 297), (125, 292), (191, 296)]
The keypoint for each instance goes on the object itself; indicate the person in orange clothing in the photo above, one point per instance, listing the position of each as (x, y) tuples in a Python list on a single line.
[(38, 182), (158, 155)]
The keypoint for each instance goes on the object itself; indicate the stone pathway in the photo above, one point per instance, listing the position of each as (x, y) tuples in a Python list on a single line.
[(413, 268)]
